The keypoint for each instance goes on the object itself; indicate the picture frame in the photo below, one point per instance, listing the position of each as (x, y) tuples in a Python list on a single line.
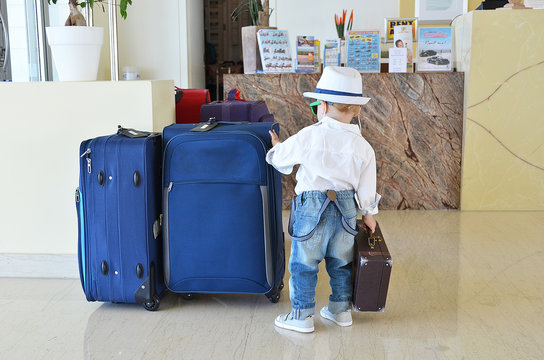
[(439, 10), (390, 23)]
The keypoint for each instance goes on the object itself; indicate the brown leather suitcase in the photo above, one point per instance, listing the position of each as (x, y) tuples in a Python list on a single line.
[(371, 270)]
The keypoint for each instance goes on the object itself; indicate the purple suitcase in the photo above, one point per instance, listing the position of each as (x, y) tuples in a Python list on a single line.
[(236, 110), (371, 270)]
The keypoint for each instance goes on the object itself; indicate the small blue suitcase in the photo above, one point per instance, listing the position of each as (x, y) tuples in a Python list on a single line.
[(222, 210), (118, 205)]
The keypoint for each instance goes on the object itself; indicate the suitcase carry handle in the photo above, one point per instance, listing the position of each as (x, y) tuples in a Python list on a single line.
[(372, 238), (131, 133), (234, 94)]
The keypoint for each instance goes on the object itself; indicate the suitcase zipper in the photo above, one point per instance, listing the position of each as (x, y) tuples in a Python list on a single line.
[(86, 153)]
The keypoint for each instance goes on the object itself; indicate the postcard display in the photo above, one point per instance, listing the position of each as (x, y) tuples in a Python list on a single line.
[(332, 53), (275, 51), (434, 49), (306, 54), (364, 50)]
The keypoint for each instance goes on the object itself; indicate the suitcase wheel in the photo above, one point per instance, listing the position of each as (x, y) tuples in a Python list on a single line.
[(280, 287), (153, 304), (188, 296), (274, 298)]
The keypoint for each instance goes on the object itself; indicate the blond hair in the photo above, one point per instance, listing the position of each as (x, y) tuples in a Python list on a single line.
[(346, 108)]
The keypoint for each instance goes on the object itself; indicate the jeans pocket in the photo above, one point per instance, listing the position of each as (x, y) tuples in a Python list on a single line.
[(305, 222)]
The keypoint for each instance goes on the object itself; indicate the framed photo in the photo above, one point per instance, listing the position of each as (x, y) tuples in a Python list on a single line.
[(440, 10), (389, 30), (364, 50), (434, 49)]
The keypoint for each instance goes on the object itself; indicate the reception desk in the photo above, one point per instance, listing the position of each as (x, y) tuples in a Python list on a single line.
[(414, 123), (502, 54), (42, 127)]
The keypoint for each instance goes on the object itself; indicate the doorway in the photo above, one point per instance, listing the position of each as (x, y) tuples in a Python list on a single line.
[(223, 43)]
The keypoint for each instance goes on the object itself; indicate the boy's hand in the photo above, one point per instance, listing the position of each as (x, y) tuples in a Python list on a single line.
[(370, 222), (275, 138)]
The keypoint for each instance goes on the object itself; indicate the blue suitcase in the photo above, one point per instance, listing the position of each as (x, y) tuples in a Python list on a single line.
[(119, 214), (222, 210)]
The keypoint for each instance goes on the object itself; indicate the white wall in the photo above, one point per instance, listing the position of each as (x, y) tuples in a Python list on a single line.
[(163, 39), (40, 147), (316, 17)]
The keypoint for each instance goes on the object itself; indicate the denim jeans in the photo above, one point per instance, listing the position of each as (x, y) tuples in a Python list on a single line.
[(330, 242)]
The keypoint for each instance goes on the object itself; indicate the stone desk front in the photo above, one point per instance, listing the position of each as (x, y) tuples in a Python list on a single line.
[(414, 122)]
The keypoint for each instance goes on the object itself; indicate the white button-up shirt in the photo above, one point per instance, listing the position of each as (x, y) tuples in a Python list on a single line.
[(332, 156)]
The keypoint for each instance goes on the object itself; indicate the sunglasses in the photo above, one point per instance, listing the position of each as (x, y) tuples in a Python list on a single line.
[(315, 104)]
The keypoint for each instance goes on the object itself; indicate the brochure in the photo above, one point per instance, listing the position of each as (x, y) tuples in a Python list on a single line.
[(364, 50), (403, 39), (275, 51), (305, 54), (397, 60), (434, 49), (332, 53), (317, 61)]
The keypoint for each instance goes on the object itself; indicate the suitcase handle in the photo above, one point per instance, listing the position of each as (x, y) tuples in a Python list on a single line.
[(131, 133), (372, 238)]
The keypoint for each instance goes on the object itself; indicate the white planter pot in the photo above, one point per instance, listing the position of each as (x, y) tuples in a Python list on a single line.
[(76, 51)]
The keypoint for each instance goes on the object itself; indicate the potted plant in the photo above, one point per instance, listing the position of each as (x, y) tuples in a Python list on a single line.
[(75, 46), (339, 22), (260, 15)]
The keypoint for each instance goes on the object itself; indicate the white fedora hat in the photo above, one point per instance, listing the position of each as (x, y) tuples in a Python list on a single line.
[(341, 85)]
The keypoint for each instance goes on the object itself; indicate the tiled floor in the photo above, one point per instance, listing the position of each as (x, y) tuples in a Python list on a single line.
[(464, 285)]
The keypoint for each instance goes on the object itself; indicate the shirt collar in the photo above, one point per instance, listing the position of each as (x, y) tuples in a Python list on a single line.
[(340, 125)]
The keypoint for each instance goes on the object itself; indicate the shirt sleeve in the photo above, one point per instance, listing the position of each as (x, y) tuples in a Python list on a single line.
[(366, 196), (284, 155)]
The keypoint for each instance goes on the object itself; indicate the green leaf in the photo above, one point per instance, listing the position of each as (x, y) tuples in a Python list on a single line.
[(123, 7), (82, 4)]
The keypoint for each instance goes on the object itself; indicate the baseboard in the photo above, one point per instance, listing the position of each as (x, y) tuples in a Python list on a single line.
[(39, 266)]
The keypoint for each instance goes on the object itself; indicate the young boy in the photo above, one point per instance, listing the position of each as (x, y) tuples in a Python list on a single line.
[(336, 177)]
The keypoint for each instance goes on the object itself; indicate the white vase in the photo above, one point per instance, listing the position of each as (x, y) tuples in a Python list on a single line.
[(76, 51)]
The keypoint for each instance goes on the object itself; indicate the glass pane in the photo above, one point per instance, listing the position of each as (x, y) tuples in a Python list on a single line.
[(23, 39)]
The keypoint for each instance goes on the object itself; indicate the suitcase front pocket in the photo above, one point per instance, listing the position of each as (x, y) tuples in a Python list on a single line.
[(218, 240)]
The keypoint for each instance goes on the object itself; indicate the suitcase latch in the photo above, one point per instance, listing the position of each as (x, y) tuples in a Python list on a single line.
[(373, 239)]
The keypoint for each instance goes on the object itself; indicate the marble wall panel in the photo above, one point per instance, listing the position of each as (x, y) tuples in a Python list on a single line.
[(503, 155), (413, 122)]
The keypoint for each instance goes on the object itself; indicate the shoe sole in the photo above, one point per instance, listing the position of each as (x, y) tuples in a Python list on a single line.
[(324, 316), (294, 328)]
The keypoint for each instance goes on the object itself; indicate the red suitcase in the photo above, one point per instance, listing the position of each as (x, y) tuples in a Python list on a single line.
[(371, 270), (188, 103)]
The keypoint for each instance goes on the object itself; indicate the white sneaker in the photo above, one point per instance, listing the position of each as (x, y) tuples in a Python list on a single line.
[(342, 319), (286, 321)]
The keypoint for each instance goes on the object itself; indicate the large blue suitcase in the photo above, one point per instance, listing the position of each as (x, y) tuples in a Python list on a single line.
[(222, 210), (119, 213)]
